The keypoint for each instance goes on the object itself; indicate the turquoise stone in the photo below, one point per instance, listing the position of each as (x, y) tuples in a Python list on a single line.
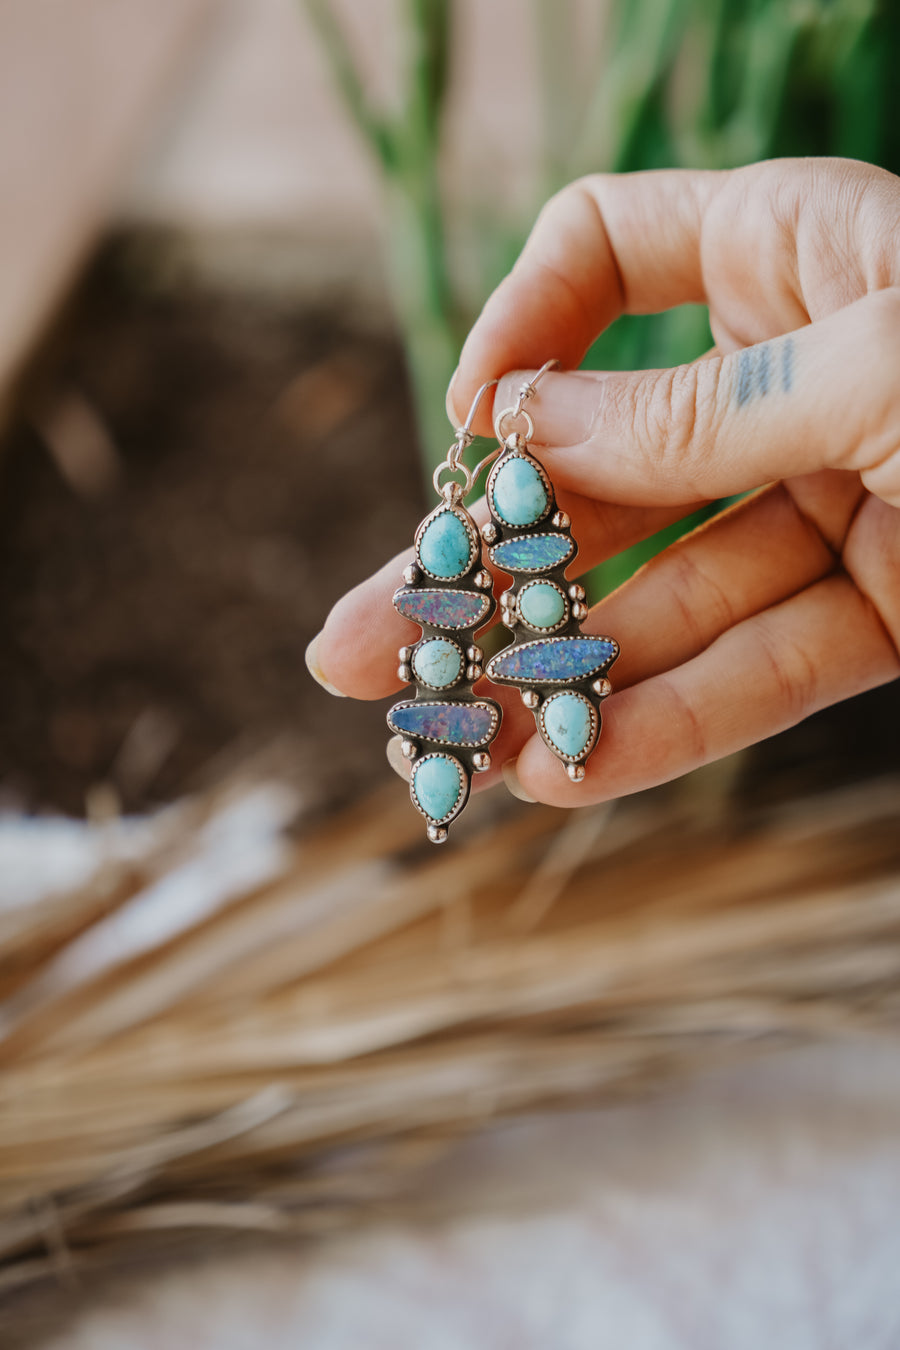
[(437, 785), (542, 605), (437, 662), (445, 548), (549, 660), (443, 609), (568, 721), (536, 553), (470, 724), (518, 493)]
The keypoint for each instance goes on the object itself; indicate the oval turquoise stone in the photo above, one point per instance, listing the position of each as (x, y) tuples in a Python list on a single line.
[(542, 605), (567, 720), (445, 548), (437, 662), (518, 493), (437, 785), (538, 553)]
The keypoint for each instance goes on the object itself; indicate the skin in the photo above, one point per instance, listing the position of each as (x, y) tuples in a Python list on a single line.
[(789, 601)]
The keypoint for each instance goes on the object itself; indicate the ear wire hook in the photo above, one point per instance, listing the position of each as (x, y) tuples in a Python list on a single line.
[(462, 440), (527, 390)]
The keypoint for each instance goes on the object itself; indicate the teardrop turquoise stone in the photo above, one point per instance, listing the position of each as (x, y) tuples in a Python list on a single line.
[(550, 659), (536, 553), (542, 605), (437, 785), (445, 548), (518, 493), (567, 721), (437, 662)]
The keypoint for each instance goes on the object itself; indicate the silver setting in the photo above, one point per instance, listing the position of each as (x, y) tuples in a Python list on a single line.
[(576, 772), (580, 610), (514, 449), (411, 574), (535, 571), (404, 655), (484, 612), (475, 654), (405, 674), (488, 705), (481, 762), (461, 797), (438, 834), (561, 520), (409, 749), (489, 533), (531, 698), (577, 592), (573, 761), (602, 688), (420, 679), (474, 542), (474, 673), (541, 581), (562, 681)]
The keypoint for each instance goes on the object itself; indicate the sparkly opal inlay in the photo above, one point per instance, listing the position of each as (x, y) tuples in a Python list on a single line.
[(551, 659), (444, 546), (437, 785), (438, 663), (469, 724), (518, 493), (542, 605), (568, 720), (443, 609), (535, 553)]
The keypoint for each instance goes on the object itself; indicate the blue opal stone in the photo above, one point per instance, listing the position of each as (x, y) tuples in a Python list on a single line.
[(568, 720), (536, 553), (518, 493), (437, 662), (542, 605), (469, 724), (437, 785), (444, 546), (443, 609), (552, 659)]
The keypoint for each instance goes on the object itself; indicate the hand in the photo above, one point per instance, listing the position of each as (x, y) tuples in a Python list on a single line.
[(790, 600)]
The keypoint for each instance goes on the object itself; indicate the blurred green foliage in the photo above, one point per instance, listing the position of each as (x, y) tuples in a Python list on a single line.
[(701, 83)]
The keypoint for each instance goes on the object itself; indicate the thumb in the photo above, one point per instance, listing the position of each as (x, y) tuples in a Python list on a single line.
[(826, 396)]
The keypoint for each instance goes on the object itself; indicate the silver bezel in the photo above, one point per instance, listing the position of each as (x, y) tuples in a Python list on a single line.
[(474, 540), (463, 788), (486, 601), (453, 703), (553, 628), (502, 462), (551, 744)]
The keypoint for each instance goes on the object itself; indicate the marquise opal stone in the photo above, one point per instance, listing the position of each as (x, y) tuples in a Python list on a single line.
[(443, 609), (437, 662), (568, 722), (537, 553), (469, 724), (437, 785), (542, 605), (551, 659), (518, 493), (445, 548)]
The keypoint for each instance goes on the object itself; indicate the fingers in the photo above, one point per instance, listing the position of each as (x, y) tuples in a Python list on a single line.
[(758, 678), (825, 396), (356, 652), (604, 245)]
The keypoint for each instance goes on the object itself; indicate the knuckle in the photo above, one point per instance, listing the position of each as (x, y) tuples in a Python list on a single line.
[(676, 415)]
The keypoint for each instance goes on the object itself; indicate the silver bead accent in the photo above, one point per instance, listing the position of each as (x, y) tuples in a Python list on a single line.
[(562, 520), (602, 688), (404, 655), (481, 762), (404, 673), (490, 533), (437, 834), (577, 592), (579, 610), (575, 772), (411, 574), (531, 698), (475, 654), (483, 580), (409, 749), (474, 672)]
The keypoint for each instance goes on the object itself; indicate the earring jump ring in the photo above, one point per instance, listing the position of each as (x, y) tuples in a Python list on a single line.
[(513, 414)]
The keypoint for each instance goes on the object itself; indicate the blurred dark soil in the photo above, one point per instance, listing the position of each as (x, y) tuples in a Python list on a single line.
[(192, 481)]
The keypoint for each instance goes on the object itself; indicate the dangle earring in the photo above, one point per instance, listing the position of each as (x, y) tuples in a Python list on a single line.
[(445, 729), (560, 672)]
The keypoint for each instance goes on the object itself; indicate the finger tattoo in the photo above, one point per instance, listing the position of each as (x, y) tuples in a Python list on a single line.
[(764, 369)]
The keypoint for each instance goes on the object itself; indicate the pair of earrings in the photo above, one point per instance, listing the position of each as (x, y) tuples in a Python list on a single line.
[(561, 674)]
